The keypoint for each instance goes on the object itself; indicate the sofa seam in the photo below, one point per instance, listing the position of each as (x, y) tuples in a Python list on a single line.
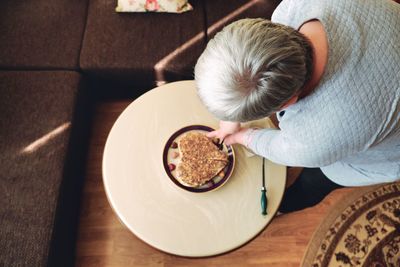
[(205, 22), (83, 35)]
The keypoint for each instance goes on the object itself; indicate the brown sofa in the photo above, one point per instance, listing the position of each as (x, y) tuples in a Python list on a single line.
[(57, 58)]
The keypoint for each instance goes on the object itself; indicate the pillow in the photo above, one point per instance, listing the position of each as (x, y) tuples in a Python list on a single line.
[(172, 6)]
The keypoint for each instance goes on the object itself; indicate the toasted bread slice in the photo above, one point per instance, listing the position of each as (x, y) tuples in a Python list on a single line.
[(201, 160)]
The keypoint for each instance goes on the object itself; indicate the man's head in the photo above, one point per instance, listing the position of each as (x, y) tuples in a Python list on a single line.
[(252, 68)]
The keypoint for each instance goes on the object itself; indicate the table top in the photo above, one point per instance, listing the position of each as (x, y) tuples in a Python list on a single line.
[(159, 212)]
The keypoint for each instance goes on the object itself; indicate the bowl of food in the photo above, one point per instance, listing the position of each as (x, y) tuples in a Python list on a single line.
[(195, 162)]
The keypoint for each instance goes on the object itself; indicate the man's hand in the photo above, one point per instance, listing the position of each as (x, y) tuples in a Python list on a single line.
[(232, 133), (226, 128), (240, 137)]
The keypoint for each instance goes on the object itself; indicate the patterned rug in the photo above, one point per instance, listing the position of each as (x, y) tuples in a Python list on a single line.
[(362, 230)]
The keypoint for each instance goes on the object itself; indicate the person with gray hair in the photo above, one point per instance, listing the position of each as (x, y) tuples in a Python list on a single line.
[(330, 72)]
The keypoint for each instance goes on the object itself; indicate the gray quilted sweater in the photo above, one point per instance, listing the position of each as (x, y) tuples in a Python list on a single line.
[(350, 125)]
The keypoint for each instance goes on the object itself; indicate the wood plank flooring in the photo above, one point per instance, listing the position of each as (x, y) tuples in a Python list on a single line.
[(104, 242)]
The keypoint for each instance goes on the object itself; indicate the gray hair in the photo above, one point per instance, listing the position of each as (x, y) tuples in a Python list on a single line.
[(251, 68)]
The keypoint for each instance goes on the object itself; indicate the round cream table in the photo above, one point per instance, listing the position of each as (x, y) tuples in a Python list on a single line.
[(159, 212)]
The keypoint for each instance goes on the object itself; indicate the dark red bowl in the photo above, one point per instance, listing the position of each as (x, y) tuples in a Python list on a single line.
[(214, 183)]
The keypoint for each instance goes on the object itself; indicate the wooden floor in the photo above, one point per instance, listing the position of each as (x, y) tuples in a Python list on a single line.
[(104, 241)]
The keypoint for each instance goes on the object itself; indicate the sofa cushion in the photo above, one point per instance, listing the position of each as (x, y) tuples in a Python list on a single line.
[(172, 6), (36, 123), (38, 34), (139, 49), (220, 14)]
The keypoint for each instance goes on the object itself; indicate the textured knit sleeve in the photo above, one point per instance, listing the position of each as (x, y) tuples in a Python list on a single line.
[(315, 137), (284, 149), (275, 146)]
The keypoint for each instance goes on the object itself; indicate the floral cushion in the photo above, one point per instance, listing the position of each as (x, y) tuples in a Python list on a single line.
[(172, 6)]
